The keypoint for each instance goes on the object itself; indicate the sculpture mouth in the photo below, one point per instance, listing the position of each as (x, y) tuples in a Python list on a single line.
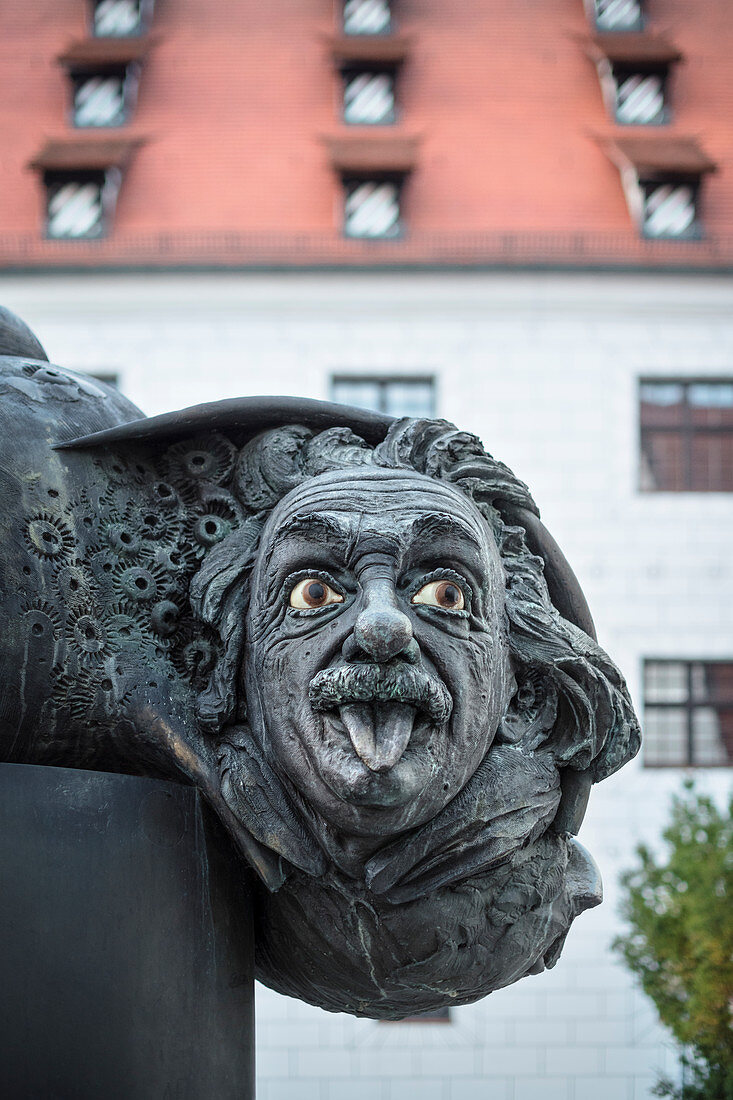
[(380, 708), (379, 732)]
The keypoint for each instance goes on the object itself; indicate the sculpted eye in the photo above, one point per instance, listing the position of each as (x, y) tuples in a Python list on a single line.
[(313, 592), (446, 594)]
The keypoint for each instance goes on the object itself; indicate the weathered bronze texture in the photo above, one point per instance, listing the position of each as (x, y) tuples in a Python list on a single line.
[(353, 634)]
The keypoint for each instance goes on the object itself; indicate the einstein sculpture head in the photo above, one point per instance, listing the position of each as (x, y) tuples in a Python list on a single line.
[(376, 666), (354, 635)]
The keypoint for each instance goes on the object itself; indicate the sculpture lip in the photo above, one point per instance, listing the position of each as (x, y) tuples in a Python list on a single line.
[(371, 683)]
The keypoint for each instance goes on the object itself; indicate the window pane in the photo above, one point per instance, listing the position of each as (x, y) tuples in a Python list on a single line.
[(712, 682), (665, 681), (664, 466), (362, 393), (366, 16), (712, 461), (669, 210), (640, 99), (372, 210), (116, 18), (75, 210), (712, 736), (711, 394), (100, 101), (369, 99), (662, 404), (618, 15), (409, 399), (711, 404), (665, 736)]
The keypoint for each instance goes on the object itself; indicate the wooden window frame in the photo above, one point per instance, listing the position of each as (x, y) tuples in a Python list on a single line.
[(689, 705), (686, 430)]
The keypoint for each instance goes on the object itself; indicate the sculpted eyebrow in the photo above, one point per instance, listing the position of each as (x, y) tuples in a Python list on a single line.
[(314, 527), (312, 524), (440, 523)]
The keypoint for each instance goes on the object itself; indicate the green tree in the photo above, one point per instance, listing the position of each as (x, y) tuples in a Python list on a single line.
[(680, 945)]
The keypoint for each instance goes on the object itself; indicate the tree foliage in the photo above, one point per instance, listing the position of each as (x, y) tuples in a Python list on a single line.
[(680, 946)]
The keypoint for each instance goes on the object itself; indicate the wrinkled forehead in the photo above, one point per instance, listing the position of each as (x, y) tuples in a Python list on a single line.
[(387, 496)]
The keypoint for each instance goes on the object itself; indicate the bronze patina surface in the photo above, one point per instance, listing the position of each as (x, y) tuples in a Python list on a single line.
[(352, 633)]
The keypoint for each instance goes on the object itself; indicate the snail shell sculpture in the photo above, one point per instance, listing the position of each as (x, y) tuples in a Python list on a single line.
[(352, 633)]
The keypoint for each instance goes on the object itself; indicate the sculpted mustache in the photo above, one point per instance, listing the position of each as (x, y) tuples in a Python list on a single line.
[(369, 683)]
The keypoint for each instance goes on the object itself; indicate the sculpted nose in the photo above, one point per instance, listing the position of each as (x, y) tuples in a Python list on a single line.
[(382, 631)]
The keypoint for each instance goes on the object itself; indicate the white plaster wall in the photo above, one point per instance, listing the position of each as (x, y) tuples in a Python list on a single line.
[(544, 367)]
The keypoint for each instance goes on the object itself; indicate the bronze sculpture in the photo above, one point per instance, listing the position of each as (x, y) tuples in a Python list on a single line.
[(353, 634)]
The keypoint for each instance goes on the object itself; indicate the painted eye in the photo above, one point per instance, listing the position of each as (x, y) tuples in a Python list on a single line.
[(313, 592), (444, 594)]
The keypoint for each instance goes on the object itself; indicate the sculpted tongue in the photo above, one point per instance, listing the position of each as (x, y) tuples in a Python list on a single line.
[(379, 732)]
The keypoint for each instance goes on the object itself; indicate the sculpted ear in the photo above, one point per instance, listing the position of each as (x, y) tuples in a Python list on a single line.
[(532, 711)]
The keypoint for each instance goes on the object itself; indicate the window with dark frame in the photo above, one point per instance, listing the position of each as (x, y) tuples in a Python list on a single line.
[(105, 98), (670, 209), (367, 17), (369, 96), (686, 428), (79, 205), (688, 713), (641, 94), (373, 208), (120, 18), (619, 15), (395, 395)]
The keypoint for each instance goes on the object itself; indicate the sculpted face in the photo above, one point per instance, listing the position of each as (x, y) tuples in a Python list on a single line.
[(377, 665)]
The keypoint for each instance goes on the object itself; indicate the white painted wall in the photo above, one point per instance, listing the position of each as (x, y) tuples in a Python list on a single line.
[(544, 367)]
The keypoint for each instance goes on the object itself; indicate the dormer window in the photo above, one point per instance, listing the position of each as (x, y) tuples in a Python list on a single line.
[(82, 179), (618, 15), (641, 95), (372, 209), (120, 18), (367, 17), (104, 98), (634, 74), (369, 97), (104, 75), (662, 175), (670, 209), (79, 205)]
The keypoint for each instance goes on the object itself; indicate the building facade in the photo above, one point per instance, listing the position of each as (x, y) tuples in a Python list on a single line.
[(520, 220)]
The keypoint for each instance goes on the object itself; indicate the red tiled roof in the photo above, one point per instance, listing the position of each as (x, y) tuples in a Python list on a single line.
[(94, 53), (85, 153), (503, 96), (659, 154), (367, 151), (633, 48)]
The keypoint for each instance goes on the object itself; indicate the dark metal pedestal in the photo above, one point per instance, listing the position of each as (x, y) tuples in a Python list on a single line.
[(125, 942)]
